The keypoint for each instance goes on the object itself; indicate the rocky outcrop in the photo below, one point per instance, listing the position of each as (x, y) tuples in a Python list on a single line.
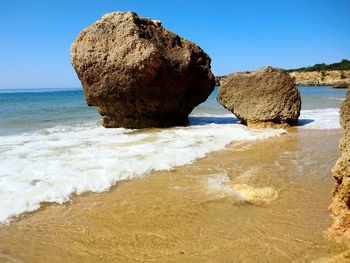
[(263, 98), (140, 74), (336, 78), (340, 207)]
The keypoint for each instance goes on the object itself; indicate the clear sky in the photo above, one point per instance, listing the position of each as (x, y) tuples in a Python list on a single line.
[(238, 35)]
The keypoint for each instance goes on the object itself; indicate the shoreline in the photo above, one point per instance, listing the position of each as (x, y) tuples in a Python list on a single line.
[(268, 195), (175, 205), (202, 131), (81, 139)]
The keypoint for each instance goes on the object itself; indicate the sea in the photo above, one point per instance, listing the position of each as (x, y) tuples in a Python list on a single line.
[(53, 146), (212, 191)]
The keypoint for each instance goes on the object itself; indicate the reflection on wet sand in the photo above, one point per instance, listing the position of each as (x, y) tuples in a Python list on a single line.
[(262, 201)]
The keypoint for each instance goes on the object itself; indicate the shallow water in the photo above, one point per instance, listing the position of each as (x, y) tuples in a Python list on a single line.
[(54, 163), (32, 110), (60, 148), (190, 215), (322, 97), (176, 198)]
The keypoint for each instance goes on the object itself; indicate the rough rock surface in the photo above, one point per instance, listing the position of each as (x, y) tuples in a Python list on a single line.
[(140, 74), (335, 78), (218, 80), (340, 207), (263, 98)]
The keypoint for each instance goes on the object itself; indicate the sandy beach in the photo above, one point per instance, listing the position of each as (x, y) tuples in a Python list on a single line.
[(194, 213), (175, 131)]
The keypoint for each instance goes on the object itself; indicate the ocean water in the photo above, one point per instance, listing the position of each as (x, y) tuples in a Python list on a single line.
[(52, 145)]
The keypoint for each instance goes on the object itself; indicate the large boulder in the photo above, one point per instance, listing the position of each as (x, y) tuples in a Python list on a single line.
[(340, 207), (140, 74), (266, 97)]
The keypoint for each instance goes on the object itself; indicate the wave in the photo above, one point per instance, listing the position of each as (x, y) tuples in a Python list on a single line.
[(51, 164), (319, 119), (323, 98), (335, 98), (309, 119)]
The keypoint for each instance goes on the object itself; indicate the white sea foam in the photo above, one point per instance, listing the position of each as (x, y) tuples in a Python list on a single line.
[(319, 119), (309, 119), (214, 115), (221, 185), (218, 188), (335, 98), (51, 164)]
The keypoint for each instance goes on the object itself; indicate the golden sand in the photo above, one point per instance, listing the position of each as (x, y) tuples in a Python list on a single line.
[(260, 201)]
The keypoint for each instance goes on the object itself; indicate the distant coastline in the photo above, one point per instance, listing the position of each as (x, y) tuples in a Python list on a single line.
[(336, 75), (339, 66), (334, 78)]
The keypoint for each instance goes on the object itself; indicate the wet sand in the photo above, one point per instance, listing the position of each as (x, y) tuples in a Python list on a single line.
[(263, 201)]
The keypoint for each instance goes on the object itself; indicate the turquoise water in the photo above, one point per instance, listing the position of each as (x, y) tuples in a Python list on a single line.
[(28, 110), (53, 145), (321, 97)]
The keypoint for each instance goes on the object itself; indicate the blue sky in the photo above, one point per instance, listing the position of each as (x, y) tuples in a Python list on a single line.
[(238, 35)]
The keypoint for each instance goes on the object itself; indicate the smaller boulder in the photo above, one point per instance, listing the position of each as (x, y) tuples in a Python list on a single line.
[(267, 97)]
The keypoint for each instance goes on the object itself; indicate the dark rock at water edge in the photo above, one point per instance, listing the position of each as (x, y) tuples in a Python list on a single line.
[(263, 98), (140, 74), (341, 86)]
